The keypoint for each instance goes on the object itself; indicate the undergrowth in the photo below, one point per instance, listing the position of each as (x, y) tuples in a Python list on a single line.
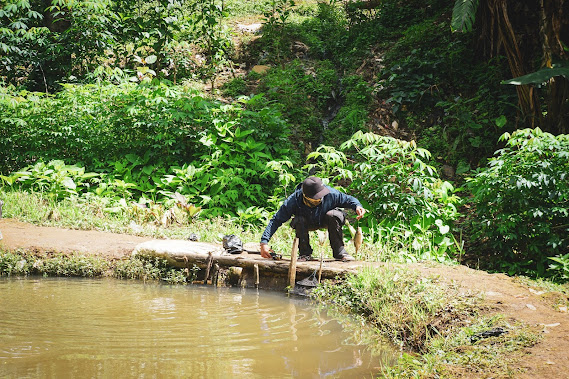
[(436, 326), (21, 263)]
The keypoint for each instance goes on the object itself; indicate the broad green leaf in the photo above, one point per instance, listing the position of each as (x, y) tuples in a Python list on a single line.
[(151, 59), (463, 15), (539, 77)]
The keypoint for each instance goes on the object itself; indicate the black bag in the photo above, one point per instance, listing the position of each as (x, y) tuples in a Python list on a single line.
[(232, 244)]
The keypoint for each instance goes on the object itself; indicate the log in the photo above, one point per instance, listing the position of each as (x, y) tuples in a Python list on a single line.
[(182, 254)]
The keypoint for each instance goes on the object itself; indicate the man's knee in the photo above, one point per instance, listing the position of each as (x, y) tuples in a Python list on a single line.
[(335, 215)]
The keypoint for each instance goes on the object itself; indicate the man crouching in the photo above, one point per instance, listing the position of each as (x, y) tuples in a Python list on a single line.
[(314, 206)]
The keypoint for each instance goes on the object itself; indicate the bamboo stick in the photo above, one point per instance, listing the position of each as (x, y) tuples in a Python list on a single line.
[(292, 266)]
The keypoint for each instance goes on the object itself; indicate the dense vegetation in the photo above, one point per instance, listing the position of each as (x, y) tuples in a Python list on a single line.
[(125, 103), (448, 120)]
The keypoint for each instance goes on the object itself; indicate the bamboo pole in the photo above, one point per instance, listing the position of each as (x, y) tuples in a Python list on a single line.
[(256, 275), (292, 267)]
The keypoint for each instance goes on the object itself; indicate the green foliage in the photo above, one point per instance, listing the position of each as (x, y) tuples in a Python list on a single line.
[(58, 265), (99, 123), (393, 14), (398, 186), (143, 268), (235, 88), (148, 23), (421, 66), (274, 22), (21, 36), (43, 46), (56, 179), (542, 75), (302, 92), (132, 134), (463, 15), (326, 34), (438, 90), (398, 303), (560, 267), (454, 351), (229, 175), (211, 35), (469, 126), (352, 116), (522, 202), (23, 264)]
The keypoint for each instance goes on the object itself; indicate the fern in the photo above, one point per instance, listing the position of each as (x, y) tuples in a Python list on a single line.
[(463, 15)]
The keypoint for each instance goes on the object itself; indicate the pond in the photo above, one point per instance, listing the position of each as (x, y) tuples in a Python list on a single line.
[(56, 327)]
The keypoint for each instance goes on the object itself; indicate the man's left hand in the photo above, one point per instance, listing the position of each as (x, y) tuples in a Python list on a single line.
[(360, 211)]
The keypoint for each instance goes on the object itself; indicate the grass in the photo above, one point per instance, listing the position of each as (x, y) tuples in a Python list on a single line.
[(22, 263), (93, 213), (430, 320)]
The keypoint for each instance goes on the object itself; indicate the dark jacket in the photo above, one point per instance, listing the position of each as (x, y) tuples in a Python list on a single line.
[(294, 206)]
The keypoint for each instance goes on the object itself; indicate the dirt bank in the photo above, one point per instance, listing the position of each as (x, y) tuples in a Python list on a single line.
[(547, 359)]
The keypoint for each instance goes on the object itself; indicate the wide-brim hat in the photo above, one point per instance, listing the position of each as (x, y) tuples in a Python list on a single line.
[(313, 188)]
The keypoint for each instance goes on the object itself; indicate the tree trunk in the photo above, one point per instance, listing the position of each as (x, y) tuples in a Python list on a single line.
[(555, 33), (527, 32)]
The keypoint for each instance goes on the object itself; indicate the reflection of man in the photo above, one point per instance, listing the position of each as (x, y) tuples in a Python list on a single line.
[(314, 206)]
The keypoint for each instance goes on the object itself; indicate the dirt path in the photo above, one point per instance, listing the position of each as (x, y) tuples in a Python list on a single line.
[(548, 359), (18, 235)]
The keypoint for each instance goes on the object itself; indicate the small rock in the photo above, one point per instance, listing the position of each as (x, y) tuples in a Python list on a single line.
[(562, 309), (54, 215), (135, 227), (549, 363), (490, 293), (251, 28), (260, 69), (531, 307), (536, 292), (448, 171), (193, 237), (551, 325)]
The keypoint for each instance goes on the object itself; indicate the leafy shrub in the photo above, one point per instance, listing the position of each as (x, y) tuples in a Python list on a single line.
[(75, 265), (143, 141), (355, 99), (522, 201), (143, 268), (560, 267), (394, 182), (326, 34), (58, 265), (302, 91), (54, 178), (13, 264)]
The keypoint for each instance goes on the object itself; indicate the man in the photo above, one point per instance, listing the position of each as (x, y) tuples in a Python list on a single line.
[(314, 206)]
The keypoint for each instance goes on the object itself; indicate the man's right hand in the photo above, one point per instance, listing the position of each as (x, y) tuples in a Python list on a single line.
[(265, 250)]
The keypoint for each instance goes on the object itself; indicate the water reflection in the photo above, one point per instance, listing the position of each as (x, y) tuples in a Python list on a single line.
[(103, 328)]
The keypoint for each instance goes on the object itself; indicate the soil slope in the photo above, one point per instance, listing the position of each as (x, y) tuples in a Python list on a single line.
[(548, 359)]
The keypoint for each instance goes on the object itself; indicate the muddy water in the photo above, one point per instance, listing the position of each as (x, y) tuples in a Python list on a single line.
[(60, 328)]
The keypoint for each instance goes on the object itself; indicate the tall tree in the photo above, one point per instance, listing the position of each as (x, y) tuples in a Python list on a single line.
[(526, 32)]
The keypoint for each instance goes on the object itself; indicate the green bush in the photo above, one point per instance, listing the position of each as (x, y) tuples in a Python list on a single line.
[(522, 202), (302, 90), (144, 141), (409, 204)]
